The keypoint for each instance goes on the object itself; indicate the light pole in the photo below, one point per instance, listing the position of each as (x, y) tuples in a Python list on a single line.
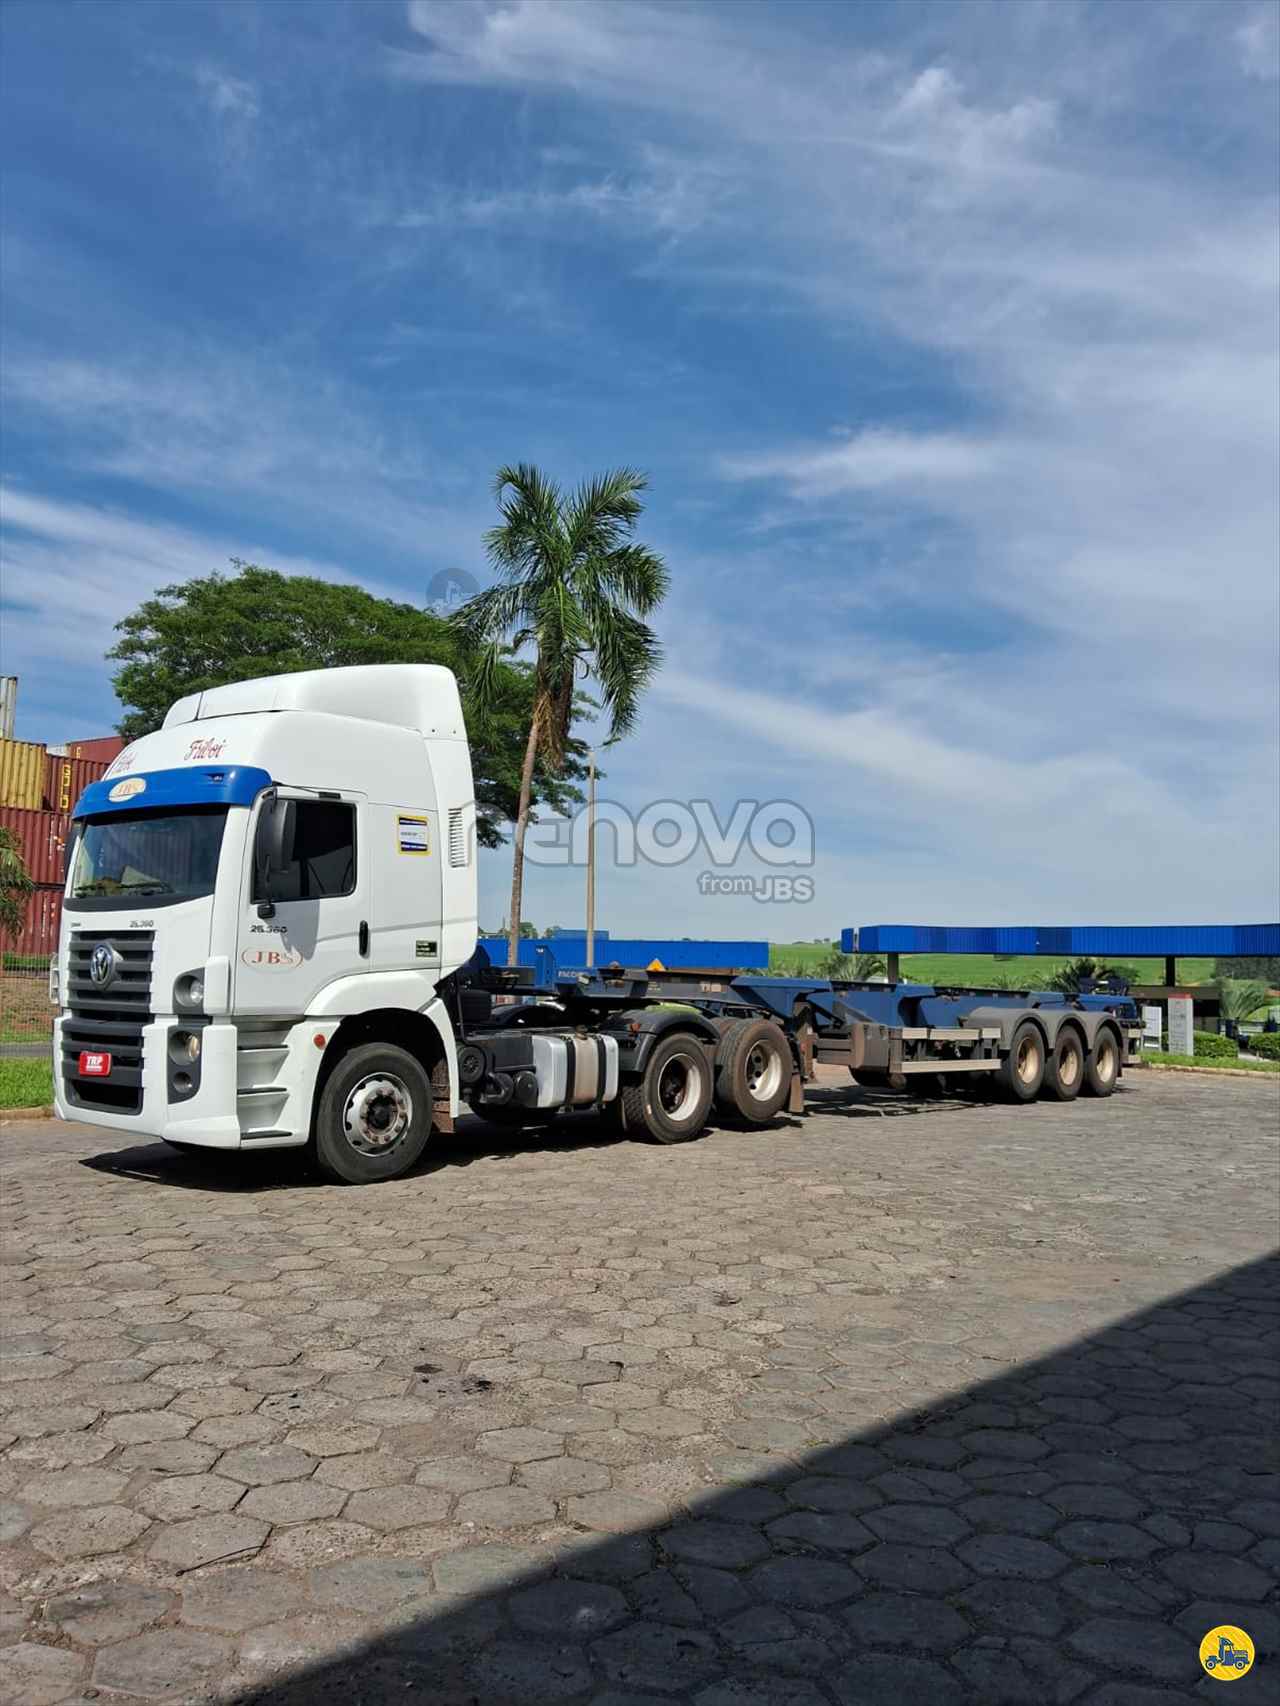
[(591, 857)]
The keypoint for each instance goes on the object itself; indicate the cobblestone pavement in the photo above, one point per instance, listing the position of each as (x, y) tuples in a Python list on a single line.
[(901, 1402)]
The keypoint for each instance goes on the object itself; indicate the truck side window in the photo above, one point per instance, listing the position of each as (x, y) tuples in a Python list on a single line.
[(321, 861)]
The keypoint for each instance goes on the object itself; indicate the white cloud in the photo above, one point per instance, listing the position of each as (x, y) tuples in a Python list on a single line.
[(229, 97), (1258, 44), (870, 460)]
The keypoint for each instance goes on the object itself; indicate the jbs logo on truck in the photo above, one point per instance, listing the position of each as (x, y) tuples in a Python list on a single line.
[(272, 959)]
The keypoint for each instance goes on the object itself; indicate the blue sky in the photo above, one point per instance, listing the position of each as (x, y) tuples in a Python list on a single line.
[(946, 333)]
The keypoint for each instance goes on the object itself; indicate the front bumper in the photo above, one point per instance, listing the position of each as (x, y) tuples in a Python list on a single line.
[(207, 1118)]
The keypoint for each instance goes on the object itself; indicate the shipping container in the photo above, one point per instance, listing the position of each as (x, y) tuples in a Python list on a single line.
[(42, 915), (42, 841), (101, 749), (65, 779), (22, 765)]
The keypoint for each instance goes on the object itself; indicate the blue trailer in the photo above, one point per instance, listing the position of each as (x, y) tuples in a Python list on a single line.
[(754, 1041)]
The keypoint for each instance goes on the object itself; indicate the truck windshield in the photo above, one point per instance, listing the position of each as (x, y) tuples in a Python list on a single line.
[(159, 855)]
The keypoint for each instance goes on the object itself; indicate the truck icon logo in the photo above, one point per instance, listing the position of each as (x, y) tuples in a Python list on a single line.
[(1226, 1652), (102, 964)]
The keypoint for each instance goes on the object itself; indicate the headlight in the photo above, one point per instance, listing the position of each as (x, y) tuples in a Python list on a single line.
[(53, 979), (188, 991)]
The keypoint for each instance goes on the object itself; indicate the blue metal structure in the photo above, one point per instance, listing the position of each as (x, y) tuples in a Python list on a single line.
[(1114, 941), (633, 951)]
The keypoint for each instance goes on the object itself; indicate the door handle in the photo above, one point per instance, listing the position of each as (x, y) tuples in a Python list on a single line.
[(364, 937)]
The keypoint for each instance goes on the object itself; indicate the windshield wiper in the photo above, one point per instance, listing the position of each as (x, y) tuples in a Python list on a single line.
[(145, 888)]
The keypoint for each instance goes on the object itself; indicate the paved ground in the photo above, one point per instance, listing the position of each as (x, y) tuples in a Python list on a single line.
[(947, 1403)]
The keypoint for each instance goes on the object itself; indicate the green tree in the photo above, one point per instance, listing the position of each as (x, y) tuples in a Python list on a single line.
[(255, 621), (575, 586), (15, 885), (852, 968), (1266, 967)]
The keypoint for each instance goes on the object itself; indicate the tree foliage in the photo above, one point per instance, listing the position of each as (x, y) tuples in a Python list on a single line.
[(255, 621), (575, 586), (1071, 978), (15, 884), (1239, 997)]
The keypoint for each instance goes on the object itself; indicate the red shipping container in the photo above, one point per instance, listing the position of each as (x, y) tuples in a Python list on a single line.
[(101, 750), (42, 841), (65, 779), (42, 917)]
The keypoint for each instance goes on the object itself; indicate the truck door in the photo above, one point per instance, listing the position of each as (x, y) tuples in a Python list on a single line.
[(319, 928), (404, 864)]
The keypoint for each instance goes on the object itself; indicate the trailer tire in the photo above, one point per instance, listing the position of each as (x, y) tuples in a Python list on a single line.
[(1102, 1067), (753, 1070), (1022, 1071), (1064, 1069), (670, 1100), (374, 1115)]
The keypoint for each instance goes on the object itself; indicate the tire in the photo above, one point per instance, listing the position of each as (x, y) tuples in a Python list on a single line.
[(1065, 1068), (1102, 1065), (753, 1070), (671, 1101), (1022, 1071), (374, 1116)]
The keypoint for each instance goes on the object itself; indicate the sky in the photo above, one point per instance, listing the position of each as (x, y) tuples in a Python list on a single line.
[(947, 335)]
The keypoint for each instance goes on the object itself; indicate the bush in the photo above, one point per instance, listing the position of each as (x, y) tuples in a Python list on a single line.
[(1208, 1045), (1266, 1044)]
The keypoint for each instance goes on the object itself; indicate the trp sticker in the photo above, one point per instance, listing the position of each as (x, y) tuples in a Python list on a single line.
[(271, 959), (129, 788), (413, 835)]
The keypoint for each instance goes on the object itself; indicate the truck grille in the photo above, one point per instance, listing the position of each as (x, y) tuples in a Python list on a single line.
[(107, 1018)]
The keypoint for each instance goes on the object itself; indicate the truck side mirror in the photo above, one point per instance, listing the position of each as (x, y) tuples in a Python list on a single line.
[(271, 851)]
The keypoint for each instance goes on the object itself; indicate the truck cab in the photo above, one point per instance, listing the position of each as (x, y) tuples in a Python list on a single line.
[(280, 876)]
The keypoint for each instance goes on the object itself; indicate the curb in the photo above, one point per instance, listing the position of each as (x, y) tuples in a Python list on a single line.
[(1209, 1071), (8, 1115)]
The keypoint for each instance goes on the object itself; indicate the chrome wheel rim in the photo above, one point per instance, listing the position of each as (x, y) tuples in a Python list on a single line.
[(678, 1087), (377, 1114), (763, 1072)]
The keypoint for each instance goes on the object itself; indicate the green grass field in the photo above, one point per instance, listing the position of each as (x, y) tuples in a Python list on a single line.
[(975, 970), (1243, 1064), (25, 1083)]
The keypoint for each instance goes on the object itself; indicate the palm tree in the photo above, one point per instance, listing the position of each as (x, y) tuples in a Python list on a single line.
[(15, 885), (574, 585), (1238, 997)]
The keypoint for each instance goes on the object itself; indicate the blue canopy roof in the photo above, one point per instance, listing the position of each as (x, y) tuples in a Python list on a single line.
[(1214, 941)]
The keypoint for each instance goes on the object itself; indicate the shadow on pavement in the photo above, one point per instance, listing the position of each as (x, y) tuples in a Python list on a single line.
[(1067, 1531)]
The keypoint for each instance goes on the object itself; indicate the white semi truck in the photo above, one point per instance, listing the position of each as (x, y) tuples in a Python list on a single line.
[(269, 940)]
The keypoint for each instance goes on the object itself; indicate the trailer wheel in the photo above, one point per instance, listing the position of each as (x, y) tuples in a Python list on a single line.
[(1022, 1071), (374, 1116), (1064, 1069), (753, 1070), (1102, 1068), (670, 1101)]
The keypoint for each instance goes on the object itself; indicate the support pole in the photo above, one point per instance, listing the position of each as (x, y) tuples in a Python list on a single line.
[(591, 858), (891, 967), (1170, 971)]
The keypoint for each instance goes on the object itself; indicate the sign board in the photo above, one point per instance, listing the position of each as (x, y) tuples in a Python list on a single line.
[(1152, 1026), (1181, 1039)]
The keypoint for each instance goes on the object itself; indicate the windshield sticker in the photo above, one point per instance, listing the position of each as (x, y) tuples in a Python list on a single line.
[(129, 788), (413, 835)]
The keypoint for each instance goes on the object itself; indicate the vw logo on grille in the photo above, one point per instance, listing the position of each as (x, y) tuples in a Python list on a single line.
[(102, 963)]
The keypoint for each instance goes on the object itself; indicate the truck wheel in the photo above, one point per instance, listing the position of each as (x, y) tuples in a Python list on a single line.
[(1064, 1069), (1102, 1067), (670, 1102), (374, 1116), (1022, 1070), (753, 1070)]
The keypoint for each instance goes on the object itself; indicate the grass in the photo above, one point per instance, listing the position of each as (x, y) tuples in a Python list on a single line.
[(1211, 1063), (25, 1083), (1025, 971)]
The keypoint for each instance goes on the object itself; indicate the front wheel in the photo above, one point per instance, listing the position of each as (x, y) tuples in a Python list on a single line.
[(374, 1116), (670, 1102)]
